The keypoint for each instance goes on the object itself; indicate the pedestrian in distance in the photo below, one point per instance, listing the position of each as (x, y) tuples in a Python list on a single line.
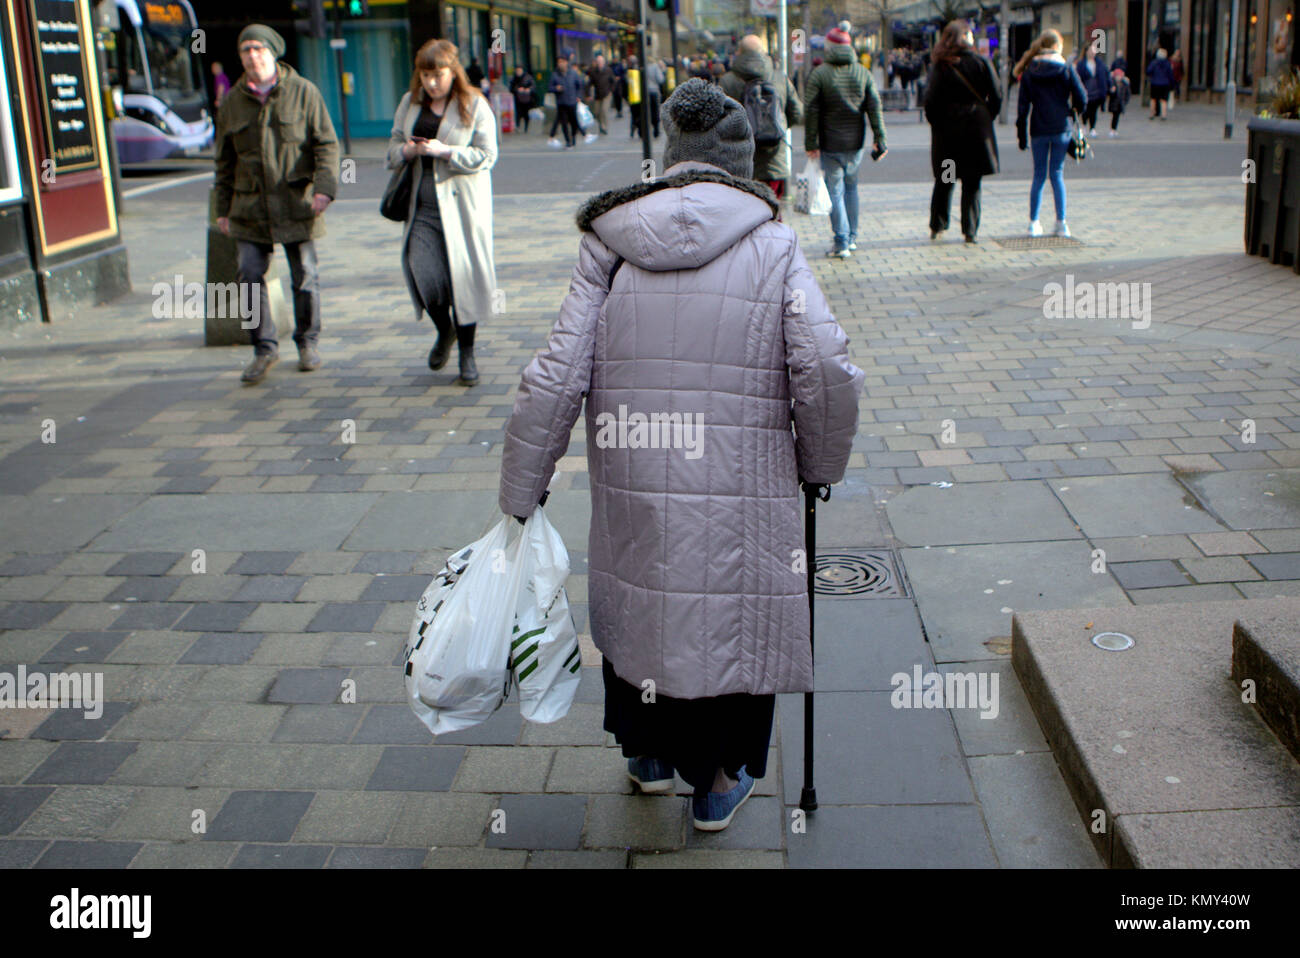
[(524, 91), (690, 298), (445, 127), (277, 169), (1176, 69), (1049, 88), (1161, 74), (772, 105), (1120, 91), (840, 93), (474, 73), (962, 100), (600, 88), (619, 92), (1096, 83), (566, 83), (220, 84)]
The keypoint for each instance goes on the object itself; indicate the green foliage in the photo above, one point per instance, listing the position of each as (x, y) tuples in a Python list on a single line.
[(1286, 99)]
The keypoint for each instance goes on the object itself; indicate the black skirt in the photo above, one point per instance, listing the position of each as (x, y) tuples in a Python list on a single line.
[(426, 251), (695, 736)]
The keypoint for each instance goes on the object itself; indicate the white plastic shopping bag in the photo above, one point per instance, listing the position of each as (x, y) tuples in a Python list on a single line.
[(810, 193), (544, 655), (457, 655), (585, 119)]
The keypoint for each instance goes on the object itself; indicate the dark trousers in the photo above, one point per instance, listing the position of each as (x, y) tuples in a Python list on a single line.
[(1090, 114), (521, 115), (941, 204), (1114, 119), (566, 117), (635, 109), (254, 259)]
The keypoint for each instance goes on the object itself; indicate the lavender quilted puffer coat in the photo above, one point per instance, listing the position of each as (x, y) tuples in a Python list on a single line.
[(711, 343)]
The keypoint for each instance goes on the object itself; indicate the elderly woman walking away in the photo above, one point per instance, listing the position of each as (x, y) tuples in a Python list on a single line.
[(446, 128), (692, 307), (1048, 88), (961, 102)]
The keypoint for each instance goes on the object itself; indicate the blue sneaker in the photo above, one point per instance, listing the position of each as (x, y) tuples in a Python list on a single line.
[(713, 811), (651, 775)]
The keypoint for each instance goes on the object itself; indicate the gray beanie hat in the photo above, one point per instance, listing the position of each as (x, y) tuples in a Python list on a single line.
[(705, 125), (263, 35)]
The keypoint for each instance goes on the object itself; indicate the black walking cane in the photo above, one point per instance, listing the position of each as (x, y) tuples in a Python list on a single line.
[(811, 493)]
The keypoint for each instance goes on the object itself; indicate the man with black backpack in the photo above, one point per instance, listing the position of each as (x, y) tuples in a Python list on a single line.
[(772, 106)]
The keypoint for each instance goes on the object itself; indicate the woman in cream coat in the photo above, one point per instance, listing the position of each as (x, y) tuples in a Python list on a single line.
[(447, 130)]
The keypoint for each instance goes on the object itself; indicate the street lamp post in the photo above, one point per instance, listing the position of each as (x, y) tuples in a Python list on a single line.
[(1230, 88)]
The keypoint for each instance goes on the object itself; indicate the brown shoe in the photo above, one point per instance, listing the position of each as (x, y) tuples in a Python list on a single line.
[(255, 371), (308, 358)]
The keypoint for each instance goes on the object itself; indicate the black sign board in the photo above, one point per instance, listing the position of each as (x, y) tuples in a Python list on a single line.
[(65, 71)]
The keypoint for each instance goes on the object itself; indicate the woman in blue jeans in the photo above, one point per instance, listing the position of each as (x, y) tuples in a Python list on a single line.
[(1048, 89)]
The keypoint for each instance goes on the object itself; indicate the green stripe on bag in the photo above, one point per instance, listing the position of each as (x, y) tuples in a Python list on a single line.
[(525, 673), (526, 636), (570, 655), (525, 653)]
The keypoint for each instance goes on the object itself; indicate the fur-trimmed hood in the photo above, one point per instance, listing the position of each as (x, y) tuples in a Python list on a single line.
[(683, 220)]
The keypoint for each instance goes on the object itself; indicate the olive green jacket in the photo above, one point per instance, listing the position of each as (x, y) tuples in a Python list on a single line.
[(272, 158)]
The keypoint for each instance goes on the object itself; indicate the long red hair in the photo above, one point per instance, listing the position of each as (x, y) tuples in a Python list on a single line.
[(434, 55)]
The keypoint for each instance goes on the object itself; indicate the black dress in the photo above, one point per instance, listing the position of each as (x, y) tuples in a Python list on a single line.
[(426, 263), (695, 736)]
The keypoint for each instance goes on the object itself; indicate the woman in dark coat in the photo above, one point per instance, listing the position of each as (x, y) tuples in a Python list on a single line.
[(961, 101)]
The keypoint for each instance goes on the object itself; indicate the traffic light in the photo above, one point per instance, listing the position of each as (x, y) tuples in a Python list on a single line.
[(659, 6), (355, 9), (311, 18)]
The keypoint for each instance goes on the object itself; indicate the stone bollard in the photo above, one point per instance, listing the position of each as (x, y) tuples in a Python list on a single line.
[(223, 267)]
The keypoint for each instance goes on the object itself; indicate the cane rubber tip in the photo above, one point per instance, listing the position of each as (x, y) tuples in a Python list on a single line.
[(808, 799)]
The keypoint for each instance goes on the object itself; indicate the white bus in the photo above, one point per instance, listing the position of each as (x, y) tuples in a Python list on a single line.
[(164, 109)]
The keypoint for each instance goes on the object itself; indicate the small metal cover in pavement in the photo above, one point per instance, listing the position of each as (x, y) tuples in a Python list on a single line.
[(1112, 641), (871, 574), (1037, 242)]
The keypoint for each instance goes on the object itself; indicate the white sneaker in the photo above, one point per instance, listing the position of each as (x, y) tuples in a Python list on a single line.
[(554, 144), (1092, 132), (1035, 228), (1062, 229), (591, 138), (1113, 134)]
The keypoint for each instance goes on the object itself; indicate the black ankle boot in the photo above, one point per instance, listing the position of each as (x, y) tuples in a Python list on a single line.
[(465, 341), (442, 346)]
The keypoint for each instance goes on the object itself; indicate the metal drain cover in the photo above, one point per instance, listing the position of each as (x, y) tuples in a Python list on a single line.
[(1037, 242), (871, 574), (1112, 641)]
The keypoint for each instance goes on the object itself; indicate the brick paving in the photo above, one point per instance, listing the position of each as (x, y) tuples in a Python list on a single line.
[(231, 566)]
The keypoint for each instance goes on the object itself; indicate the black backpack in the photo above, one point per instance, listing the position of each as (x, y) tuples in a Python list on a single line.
[(766, 118)]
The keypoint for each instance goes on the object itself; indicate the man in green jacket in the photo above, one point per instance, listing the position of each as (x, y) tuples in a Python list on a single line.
[(277, 169), (839, 92), (771, 161)]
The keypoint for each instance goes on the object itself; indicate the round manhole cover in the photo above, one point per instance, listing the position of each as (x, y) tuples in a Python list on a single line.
[(841, 574), (1112, 641)]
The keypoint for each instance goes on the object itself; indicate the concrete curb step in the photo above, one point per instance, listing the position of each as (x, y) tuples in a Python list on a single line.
[(1169, 767), (1266, 650)]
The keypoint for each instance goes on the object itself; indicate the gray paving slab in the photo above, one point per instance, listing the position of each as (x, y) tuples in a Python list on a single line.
[(442, 819), (868, 752), (78, 811), (979, 513), (238, 522), (696, 858), (67, 854), (167, 814), (75, 723), (892, 836), (605, 858), (458, 858), (758, 823), (1014, 729), (1030, 815), (1148, 575), (307, 686), (189, 854), (318, 723), (369, 857), (960, 614), (851, 516), (21, 853), (539, 821), (440, 520), (860, 643), (89, 763), (1243, 497), (391, 725), (42, 523), (282, 856), (19, 757), (1279, 565), (258, 816), (1113, 506), (16, 804), (640, 822), (355, 818), (414, 768)]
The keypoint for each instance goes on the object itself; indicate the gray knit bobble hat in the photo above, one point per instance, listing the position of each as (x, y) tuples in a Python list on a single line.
[(705, 125), (263, 35)]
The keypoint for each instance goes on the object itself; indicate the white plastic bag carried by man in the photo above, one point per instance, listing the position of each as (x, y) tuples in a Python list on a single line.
[(497, 612), (810, 193)]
